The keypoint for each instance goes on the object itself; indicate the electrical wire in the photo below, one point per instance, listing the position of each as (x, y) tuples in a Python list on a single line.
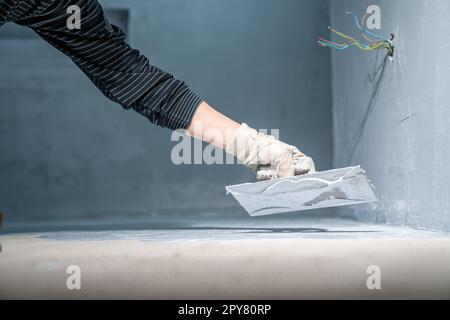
[(352, 42), (340, 45), (364, 30), (363, 23), (339, 48), (357, 43), (345, 46)]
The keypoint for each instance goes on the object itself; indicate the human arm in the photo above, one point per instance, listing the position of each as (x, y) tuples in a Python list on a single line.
[(266, 156)]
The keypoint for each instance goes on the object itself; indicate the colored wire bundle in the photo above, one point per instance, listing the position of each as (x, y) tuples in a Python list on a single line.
[(380, 42)]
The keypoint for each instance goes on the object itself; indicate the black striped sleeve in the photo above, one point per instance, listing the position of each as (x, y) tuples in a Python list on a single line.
[(6, 9), (99, 49)]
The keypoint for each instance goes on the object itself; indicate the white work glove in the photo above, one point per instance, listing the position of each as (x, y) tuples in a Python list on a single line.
[(268, 157)]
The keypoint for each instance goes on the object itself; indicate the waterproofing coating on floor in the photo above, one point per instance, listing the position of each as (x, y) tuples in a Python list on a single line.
[(324, 258)]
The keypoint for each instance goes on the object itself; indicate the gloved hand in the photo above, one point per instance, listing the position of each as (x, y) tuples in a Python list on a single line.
[(268, 157)]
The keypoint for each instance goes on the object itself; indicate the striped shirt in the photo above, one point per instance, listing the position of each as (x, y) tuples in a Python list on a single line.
[(100, 51)]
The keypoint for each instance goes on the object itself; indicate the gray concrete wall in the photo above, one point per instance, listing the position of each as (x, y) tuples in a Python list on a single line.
[(67, 153), (404, 141)]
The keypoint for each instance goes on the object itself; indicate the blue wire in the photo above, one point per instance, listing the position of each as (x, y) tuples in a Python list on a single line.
[(336, 47), (348, 45), (356, 20), (365, 30)]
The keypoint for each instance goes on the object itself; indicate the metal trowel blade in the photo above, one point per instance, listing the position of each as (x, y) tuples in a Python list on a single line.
[(334, 188)]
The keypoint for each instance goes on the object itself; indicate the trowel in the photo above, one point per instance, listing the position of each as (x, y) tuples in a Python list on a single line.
[(334, 188)]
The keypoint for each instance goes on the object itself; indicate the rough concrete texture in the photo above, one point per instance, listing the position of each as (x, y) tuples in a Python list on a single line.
[(394, 120), (69, 153), (315, 259)]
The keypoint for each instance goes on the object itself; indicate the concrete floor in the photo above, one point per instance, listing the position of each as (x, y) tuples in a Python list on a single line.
[(224, 259)]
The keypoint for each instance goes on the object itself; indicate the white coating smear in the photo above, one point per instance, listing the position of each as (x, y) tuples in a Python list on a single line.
[(306, 179)]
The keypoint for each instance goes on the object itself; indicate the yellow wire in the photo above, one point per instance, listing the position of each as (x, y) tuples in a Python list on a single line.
[(358, 44), (342, 35)]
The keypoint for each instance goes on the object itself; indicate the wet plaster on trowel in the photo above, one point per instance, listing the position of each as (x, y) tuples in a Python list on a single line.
[(340, 187)]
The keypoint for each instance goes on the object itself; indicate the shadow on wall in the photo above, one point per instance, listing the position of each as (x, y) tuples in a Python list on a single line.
[(375, 78)]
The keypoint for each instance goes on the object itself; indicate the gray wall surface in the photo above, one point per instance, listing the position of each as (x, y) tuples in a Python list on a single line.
[(67, 153), (399, 133)]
